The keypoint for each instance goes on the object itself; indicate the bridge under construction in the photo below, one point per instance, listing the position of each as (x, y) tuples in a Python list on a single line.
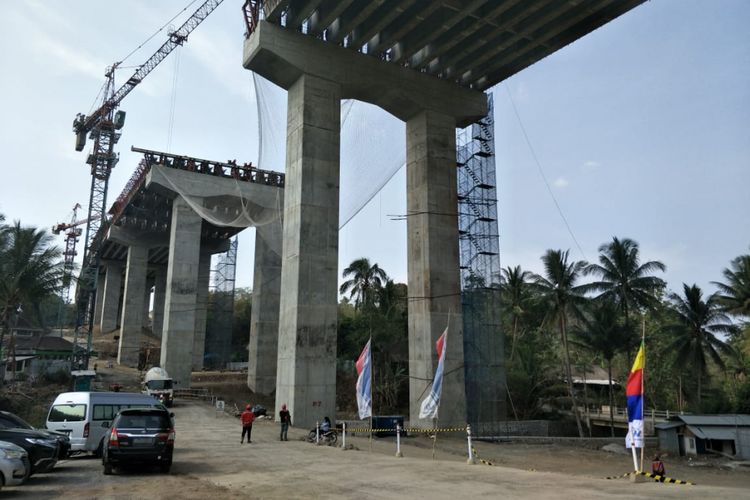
[(426, 63)]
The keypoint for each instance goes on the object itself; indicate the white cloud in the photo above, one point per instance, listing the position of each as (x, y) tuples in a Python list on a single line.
[(561, 183), (591, 165)]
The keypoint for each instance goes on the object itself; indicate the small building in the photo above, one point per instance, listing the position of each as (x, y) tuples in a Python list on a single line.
[(727, 435), (35, 352)]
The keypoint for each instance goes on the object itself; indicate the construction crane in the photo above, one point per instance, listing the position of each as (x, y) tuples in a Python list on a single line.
[(72, 233), (103, 127)]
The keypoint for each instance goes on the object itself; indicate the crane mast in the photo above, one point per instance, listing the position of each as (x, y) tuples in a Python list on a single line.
[(103, 127)]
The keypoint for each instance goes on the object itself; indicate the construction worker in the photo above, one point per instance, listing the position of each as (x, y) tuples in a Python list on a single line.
[(246, 418)]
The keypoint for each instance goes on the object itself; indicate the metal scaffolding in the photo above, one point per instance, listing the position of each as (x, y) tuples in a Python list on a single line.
[(221, 309), (479, 249)]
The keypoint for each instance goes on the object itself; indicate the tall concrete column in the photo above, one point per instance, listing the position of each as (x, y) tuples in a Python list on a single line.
[(160, 291), (433, 272), (264, 317), (147, 301), (111, 297), (306, 370), (180, 301), (201, 309), (99, 299), (132, 306)]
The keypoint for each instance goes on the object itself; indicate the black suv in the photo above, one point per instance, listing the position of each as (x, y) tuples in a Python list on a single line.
[(10, 421), (42, 449), (139, 435)]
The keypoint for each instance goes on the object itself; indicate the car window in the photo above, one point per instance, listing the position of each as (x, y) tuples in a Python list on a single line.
[(71, 413), (143, 422), (10, 421)]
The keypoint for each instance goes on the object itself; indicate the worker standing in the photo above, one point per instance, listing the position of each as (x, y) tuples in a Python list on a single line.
[(246, 418), (286, 420)]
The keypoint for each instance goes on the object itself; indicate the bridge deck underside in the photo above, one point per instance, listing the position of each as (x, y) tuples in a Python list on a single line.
[(476, 44)]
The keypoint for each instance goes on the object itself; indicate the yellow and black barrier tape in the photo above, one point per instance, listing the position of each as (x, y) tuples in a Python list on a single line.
[(416, 429), (655, 477), (481, 460)]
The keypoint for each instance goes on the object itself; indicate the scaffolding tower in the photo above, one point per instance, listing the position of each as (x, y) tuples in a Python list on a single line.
[(479, 257), (218, 345)]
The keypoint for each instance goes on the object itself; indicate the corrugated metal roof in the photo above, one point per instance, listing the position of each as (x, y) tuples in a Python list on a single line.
[(730, 420), (718, 432)]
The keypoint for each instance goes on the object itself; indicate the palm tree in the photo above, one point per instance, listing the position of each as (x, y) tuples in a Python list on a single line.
[(602, 334), (735, 293), (515, 294), (564, 299), (365, 281), (624, 280), (696, 326), (30, 270)]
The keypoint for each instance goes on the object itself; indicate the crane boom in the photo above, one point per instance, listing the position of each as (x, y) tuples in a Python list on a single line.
[(103, 126), (84, 124)]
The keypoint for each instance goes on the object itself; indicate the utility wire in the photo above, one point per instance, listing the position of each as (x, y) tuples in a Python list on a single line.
[(541, 171), (157, 32)]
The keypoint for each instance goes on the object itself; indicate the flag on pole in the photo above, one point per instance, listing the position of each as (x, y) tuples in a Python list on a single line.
[(364, 385), (429, 408), (634, 393)]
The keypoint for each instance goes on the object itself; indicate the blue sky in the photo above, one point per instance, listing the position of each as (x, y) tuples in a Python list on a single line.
[(642, 129)]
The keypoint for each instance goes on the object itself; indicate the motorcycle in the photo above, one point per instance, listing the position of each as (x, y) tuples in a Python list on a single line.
[(329, 438)]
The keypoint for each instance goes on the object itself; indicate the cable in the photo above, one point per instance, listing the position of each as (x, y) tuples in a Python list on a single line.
[(157, 32), (541, 171)]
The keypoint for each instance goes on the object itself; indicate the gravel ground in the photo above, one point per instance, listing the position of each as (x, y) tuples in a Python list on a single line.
[(210, 462)]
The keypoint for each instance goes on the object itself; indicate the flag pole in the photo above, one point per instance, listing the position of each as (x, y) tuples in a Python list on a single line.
[(643, 392), (372, 398)]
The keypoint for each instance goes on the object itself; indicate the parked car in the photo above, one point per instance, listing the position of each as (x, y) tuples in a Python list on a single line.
[(86, 417), (14, 464), (140, 435), (10, 421), (42, 449), (258, 410)]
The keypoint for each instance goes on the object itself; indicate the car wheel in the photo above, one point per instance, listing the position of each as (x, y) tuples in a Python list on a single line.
[(99, 449), (107, 469)]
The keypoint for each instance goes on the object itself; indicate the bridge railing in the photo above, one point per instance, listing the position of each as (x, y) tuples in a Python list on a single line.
[(622, 413)]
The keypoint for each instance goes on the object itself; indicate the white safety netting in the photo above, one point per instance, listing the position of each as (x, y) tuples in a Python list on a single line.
[(373, 145)]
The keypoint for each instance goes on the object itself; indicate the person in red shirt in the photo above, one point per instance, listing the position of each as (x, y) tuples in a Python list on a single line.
[(246, 419)]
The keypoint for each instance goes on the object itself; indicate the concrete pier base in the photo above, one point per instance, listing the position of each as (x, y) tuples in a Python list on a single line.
[(160, 291)]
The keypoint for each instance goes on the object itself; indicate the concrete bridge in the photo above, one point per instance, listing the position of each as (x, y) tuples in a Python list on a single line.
[(600, 417), (425, 62), (176, 212)]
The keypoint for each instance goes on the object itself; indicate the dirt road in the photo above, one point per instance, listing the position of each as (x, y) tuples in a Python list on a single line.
[(209, 462)]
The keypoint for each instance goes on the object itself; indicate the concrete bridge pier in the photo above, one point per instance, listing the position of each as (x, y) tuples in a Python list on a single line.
[(160, 290), (264, 317), (317, 75), (201, 308), (433, 263), (178, 332), (99, 298), (133, 305), (111, 297)]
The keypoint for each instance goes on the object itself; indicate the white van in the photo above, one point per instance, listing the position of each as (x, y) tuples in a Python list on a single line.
[(86, 416)]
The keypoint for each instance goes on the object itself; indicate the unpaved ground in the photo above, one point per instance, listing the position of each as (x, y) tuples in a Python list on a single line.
[(210, 462)]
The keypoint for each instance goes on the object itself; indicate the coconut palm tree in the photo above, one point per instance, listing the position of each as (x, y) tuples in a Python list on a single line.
[(364, 283), (601, 334), (30, 270), (734, 295), (515, 295), (563, 299), (624, 280), (696, 326)]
